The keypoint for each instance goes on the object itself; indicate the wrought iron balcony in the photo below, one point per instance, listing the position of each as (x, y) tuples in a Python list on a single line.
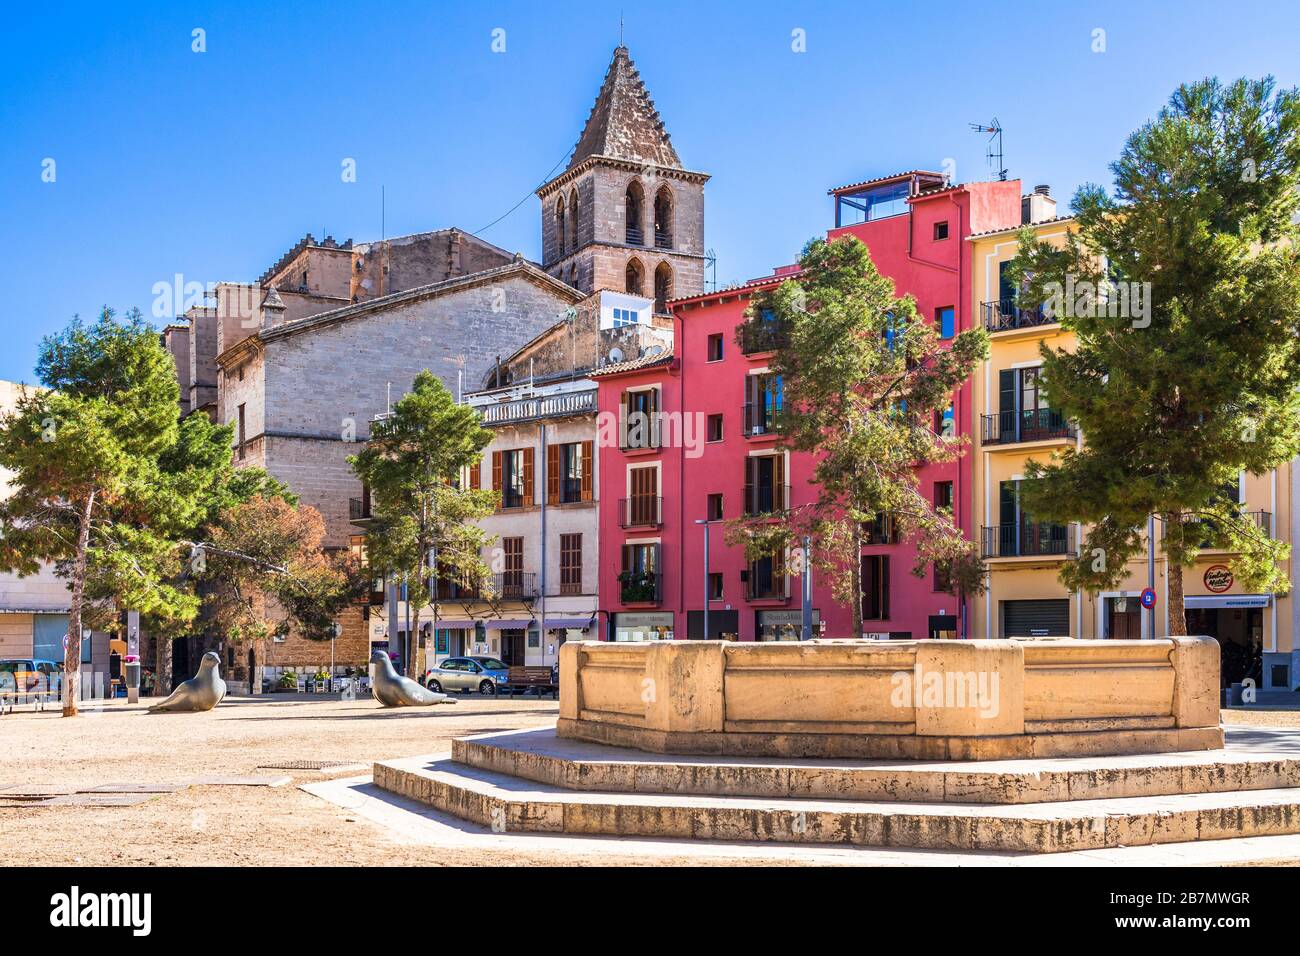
[(359, 509), (759, 335), (1261, 519), (1027, 539), (640, 587), (515, 584), (641, 511), (760, 418), (1009, 428), (1004, 315), (765, 582), (766, 499)]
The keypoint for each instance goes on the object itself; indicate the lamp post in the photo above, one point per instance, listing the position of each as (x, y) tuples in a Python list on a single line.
[(805, 618), (705, 523)]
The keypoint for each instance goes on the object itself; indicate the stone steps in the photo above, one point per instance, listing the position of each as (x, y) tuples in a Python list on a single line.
[(543, 758), (509, 804)]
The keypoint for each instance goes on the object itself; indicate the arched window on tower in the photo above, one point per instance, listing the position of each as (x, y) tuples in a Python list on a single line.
[(635, 278), (663, 287), (575, 223), (664, 218), (633, 204), (561, 233)]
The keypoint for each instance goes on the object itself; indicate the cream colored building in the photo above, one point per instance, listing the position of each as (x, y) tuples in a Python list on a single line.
[(1025, 596)]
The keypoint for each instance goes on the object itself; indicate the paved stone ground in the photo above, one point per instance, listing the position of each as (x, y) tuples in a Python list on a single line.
[(345, 820)]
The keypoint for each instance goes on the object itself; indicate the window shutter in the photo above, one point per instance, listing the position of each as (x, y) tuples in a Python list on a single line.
[(627, 557), (622, 419), (778, 474), (552, 474), (654, 418), (588, 473), (476, 475), (496, 475), (528, 476)]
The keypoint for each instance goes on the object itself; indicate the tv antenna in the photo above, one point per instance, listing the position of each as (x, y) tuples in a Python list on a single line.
[(993, 152), (711, 264)]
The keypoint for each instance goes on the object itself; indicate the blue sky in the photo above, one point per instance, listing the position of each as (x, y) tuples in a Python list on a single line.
[(212, 164)]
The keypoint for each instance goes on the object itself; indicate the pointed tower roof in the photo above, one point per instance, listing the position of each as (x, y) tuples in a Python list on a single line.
[(624, 123)]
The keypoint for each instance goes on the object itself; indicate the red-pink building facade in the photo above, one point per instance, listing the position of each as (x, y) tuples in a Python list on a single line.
[(915, 228)]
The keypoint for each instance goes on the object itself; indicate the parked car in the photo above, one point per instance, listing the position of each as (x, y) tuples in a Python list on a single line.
[(486, 675), (22, 676)]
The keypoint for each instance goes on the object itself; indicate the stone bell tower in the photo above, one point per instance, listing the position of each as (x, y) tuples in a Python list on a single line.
[(625, 214)]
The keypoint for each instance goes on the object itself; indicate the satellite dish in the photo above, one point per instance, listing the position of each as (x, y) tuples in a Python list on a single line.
[(653, 350), (616, 355)]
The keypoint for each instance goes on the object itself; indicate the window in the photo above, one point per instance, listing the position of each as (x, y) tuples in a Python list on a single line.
[(714, 512), (664, 218), (766, 579), (241, 435), (571, 564), (642, 508), (663, 287), (633, 202), (895, 329), (512, 477), (765, 488), (882, 529), (569, 472), (943, 494), (715, 427), (634, 277), (945, 423), (941, 230), (715, 347), (512, 578), (641, 418), (715, 585), (624, 317), (639, 580), (945, 321), (875, 587), (868, 205), (764, 400)]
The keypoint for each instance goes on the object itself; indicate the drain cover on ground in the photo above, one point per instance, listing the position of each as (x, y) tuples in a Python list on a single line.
[(238, 780), (98, 800), (132, 788), (309, 765)]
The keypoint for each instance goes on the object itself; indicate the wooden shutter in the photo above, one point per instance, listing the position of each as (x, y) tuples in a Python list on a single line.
[(528, 476), (627, 557), (552, 474), (588, 472), (496, 475), (778, 477), (624, 399), (476, 475)]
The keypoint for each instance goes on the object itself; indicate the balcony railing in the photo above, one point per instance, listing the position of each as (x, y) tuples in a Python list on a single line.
[(766, 499), (640, 430), (1003, 315), (765, 583), (1027, 539), (663, 239), (1261, 519), (358, 509), (641, 511), (760, 418), (881, 531), (515, 584), (640, 587), (564, 405), (511, 498), (635, 236), (455, 591), (1008, 428), (570, 490), (757, 335)]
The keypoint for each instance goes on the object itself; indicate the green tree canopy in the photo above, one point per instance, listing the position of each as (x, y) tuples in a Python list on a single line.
[(1183, 289)]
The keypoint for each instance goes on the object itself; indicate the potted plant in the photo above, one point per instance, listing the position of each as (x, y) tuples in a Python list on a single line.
[(288, 681)]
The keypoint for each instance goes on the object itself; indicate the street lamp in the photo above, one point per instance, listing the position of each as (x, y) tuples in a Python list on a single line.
[(705, 523)]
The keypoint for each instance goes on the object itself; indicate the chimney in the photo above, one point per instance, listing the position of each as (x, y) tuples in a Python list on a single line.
[(1038, 206), (272, 309)]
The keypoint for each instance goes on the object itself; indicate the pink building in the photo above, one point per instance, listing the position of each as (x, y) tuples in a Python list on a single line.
[(668, 479)]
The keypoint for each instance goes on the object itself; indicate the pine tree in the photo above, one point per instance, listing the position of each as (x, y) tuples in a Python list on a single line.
[(412, 466), (862, 380), (89, 490), (1183, 290)]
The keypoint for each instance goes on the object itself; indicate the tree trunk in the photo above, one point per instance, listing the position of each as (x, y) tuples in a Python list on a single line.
[(856, 581), (72, 655), (163, 679), (256, 668), (1174, 570)]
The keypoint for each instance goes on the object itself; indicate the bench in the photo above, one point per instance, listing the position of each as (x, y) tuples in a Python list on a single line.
[(522, 678)]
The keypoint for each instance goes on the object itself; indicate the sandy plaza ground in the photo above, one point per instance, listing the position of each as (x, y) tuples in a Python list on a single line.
[(260, 825)]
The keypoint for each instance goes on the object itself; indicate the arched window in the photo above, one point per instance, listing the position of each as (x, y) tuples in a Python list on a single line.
[(633, 204), (560, 228), (575, 223), (635, 278), (663, 287), (664, 218)]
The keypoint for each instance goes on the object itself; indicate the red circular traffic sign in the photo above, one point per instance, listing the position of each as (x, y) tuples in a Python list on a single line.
[(1148, 598)]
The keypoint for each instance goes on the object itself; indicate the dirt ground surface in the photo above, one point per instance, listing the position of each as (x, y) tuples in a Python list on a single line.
[(240, 825), (257, 825)]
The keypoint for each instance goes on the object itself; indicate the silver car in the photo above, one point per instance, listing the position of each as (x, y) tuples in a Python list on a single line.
[(487, 675)]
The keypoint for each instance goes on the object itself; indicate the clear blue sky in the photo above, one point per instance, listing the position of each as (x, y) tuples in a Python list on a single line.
[(211, 165)]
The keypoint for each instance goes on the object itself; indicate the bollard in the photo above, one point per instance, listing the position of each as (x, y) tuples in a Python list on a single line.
[(132, 669)]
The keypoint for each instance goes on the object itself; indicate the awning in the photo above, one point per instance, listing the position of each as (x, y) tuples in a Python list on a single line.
[(507, 623), (558, 622), (453, 625), (1228, 600)]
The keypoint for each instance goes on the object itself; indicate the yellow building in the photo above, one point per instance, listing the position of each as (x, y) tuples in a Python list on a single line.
[(1015, 425)]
